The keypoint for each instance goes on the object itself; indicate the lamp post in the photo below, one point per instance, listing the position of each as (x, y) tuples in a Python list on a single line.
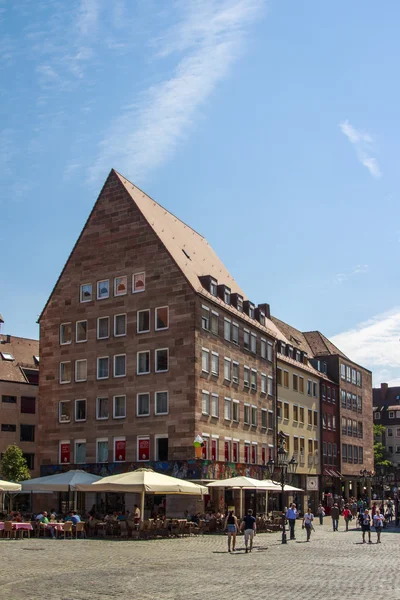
[(286, 469)]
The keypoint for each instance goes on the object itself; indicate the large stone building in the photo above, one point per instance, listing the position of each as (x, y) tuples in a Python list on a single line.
[(146, 342), (387, 413), (19, 378)]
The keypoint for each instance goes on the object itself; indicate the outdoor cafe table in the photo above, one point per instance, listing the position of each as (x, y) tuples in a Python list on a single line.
[(18, 526)]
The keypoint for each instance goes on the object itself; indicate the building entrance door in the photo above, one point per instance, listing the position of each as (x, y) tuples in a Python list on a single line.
[(162, 448)]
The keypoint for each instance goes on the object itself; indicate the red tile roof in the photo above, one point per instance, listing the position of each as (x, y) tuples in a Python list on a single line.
[(23, 351)]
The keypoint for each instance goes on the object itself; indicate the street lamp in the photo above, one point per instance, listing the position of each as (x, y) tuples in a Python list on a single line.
[(286, 469)]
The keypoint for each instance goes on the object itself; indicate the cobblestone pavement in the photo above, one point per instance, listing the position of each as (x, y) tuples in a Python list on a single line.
[(337, 565)]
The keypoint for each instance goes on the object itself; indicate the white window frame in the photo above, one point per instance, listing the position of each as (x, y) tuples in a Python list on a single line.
[(227, 369), (61, 329), (203, 307), (229, 400), (214, 399), (264, 388), (82, 285), (246, 369), (80, 360), (235, 326), (253, 385), (270, 386), (205, 352), (227, 329), (114, 398), (263, 348), (98, 289), (97, 367), (391, 414), (102, 440), (156, 351), (76, 442), (252, 412), (97, 328), (126, 325), (246, 414), (269, 351), (213, 356), (75, 410), (235, 406), (137, 362), (116, 293), (76, 331), (97, 408), (59, 411), (65, 362), (155, 320), (133, 282), (253, 342), (246, 334), (155, 402), (160, 436), (144, 310), (137, 404), (205, 397), (114, 362)]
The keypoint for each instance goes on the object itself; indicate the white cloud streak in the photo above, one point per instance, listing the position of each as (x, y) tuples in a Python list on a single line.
[(376, 345), (363, 144), (345, 275), (210, 36)]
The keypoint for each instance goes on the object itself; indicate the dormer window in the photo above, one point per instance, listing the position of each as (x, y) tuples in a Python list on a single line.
[(237, 301), (260, 316), (283, 348), (227, 296), (290, 351), (224, 292), (298, 355), (249, 308), (213, 287)]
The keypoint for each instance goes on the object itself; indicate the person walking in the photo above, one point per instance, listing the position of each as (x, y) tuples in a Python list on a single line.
[(321, 514), (249, 528), (231, 525), (347, 516), (335, 516), (291, 515), (379, 519), (308, 523), (366, 526)]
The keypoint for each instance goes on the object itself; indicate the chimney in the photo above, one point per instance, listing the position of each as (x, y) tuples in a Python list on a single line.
[(384, 389)]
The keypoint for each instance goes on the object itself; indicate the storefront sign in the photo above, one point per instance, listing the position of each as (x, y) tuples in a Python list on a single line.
[(120, 450), (144, 449), (65, 451)]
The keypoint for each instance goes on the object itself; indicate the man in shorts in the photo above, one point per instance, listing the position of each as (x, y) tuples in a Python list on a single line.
[(249, 528)]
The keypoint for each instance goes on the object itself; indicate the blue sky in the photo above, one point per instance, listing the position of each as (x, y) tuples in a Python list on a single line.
[(270, 126)]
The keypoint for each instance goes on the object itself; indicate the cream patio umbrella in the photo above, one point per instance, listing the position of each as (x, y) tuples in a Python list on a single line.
[(60, 482), (245, 483), (9, 486), (144, 481)]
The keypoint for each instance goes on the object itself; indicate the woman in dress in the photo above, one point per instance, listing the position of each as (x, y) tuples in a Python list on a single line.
[(308, 522), (231, 525), (366, 526), (379, 519)]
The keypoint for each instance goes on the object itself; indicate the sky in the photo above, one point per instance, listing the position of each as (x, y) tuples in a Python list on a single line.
[(270, 126)]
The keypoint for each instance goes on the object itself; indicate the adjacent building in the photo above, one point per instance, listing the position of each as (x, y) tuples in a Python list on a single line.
[(387, 413), (19, 379)]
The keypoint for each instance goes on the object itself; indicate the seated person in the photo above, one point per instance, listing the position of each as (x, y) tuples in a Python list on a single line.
[(44, 521), (75, 518), (121, 517), (53, 518)]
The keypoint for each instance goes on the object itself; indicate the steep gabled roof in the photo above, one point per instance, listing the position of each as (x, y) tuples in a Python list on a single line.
[(321, 346), (22, 351), (295, 337)]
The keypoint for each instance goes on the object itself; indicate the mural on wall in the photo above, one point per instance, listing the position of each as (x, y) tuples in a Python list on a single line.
[(182, 469)]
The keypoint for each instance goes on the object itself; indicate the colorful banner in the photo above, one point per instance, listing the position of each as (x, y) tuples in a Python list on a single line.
[(65, 451), (144, 449), (120, 450)]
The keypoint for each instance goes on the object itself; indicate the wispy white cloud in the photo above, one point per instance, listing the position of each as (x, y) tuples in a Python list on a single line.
[(376, 345), (349, 273), (363, 144), (87, 16), (208, 38)]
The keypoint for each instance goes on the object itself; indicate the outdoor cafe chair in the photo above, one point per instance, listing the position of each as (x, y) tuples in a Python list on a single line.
[(67, 529), (42, 529), (123, 528), (79, 528), (9, 532)]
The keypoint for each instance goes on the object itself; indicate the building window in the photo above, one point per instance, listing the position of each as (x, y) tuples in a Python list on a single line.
[(27, 433), (81, 370), (286, 379), (349, 453), (143, 405), (348, 374), (301, 414), (333, 395), (102, 450), (235, 411), (353, 377), (119, 325), (295, 382), (214, 363), (329, 421), (205, 318), (28, 405), (214, 322), (309, 387), (263, 383), (315, 418), (315, 390), (65, 372), (102, 408), (253, 343), (162, 318), (120, 365), (143, 321), (227, 409), (271, 420), (235, 451), (354, 401), (349, 427), (213, 287), (119, 407), (286, 410), (323, 421), (214, 406), (227, 296), (235, 333), (6, 428), (103, 289), (391, 414), (333, 422), (64, 411), (263, 348), (80, 410), (348, 396), (344, 452), (9, 399), (253, 379), (161, 360), (205, 402), (246, 339), (301, 384), (80, 451), (81, 331), (295, 412), (279, 375), (324, 452), (138, 282), (103, 328), (279, 409), (310, 417), (120, 449), (120, 285), (143, 362), (254, 416), (269, 351), (227, 450), (360, 430), (102, 367), (227, 369), (246, 415), (358, 378), (205, 360), (246, 377), (30, 460), (161, 403), (65, 333), (227, 330), (86, 292), (359, 405), (343, 398), (270, 386)]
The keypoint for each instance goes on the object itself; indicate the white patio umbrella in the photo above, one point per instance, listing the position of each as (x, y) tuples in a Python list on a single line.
[(144, 481), (60, 482), (9, 486), (245, 483)]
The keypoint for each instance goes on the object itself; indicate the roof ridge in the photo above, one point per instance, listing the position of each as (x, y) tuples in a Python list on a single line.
[(18, 337), (158, 204)]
